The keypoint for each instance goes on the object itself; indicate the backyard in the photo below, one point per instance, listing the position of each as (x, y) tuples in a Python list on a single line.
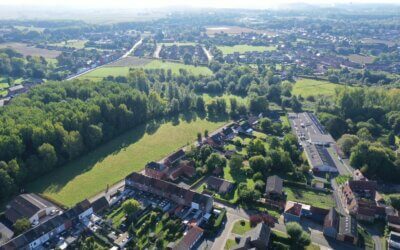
[(114, 160), (310, 197)]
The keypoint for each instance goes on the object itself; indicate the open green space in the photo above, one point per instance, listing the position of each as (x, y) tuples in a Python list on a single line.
[(244, 48), (310, 197), (230, 243), (102, 72), (77, 44), (111, 162), (241, 100), (310, 87), (241, 227)]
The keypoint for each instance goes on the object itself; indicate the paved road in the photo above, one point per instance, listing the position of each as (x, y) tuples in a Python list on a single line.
[(156, 53), (208, 54), (123, 56)]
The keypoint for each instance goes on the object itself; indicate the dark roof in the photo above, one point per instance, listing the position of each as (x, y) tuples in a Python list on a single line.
[(362, 185), (100, 204), (169, 188), (274, 184), (293, 208), (227, 131), (348, 226), (394, 219), (220, 184), (155, 165), (261, 233), (25, 206), (176, 156), (190, 238)]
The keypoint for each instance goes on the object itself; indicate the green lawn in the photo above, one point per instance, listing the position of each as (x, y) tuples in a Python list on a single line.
[(230, 243), (117, 216), (102, 72), (241, 227), (244, 48), (310, 197), (309, 87), (114, 160)]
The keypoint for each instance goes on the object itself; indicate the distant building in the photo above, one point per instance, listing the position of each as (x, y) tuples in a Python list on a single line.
[(175, 157), (256, 238), (219, 185), (30, 206), (190, 239), (274, 187), (17, 89)]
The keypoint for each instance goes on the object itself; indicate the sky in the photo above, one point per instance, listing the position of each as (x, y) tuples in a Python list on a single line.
[(144, 4)]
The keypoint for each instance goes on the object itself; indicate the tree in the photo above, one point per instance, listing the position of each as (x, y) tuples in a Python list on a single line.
[(265, 125), (347, 142), (215, 161), (236, 162), (246, 195), (48, 156), (295, 104), (258, 164), (298, 237), (7, 186), (199, 137), (21, 225), (131, 206), (391, 139), (258, 104), (256, 147)]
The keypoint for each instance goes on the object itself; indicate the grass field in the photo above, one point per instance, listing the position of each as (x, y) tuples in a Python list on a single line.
[(361, 59), (309, 87), (244, 48), (102, 72), (310, 197), (114, 160), (78, 44), (241, 100), (241, 227)]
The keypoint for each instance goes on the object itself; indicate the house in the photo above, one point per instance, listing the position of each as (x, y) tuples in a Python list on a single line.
[(257, 238), (292, 212), (274, 187), (5, 234), (35, 237), (155, 170), (174, 158), (394, 241), (167, 190), (17, 89), (190, 239), (319, 158), (228, 133), (185, 167), (29, 206), (216, 140), (100, 204), (219, 185), (393, 222), (4, 101), (342, 228), (361, 200)]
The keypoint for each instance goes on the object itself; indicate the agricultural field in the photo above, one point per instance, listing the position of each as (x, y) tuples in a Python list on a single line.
[(77, 44), (102, 72), (131, 61), (310, 197), (114, 160), (27, 50), (361, 59), (244, 48), (310, 87)]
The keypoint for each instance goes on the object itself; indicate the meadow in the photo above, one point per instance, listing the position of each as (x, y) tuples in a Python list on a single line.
[(310, 87), (102, 72), (27, 50), (78, 44), (244, 48), (112, 161)]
